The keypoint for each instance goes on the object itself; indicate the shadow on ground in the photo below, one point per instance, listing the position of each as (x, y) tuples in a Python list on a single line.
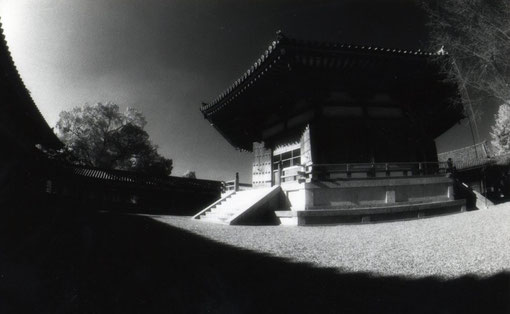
[(106, 263)]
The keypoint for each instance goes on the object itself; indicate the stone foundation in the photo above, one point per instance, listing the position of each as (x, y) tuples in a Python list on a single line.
[(368, 200)]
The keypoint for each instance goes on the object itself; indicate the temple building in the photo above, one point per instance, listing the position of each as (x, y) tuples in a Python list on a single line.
[(345, 131)]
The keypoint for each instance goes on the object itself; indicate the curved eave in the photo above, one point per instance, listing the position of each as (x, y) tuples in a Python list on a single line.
[(283, 46), (269, 58), (25, 105)]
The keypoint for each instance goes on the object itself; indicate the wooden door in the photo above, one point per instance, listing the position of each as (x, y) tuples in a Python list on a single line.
[(262, 172)]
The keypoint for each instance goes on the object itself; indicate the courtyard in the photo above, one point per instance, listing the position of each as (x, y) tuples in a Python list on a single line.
[(64, 262), (471, 243)]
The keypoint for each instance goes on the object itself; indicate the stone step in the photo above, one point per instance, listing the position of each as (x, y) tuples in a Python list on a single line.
[(213, 220), (219, 216), (234, 205), (221, 213)]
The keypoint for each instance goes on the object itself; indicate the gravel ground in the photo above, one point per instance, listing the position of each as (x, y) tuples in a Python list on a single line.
[(476, 242)]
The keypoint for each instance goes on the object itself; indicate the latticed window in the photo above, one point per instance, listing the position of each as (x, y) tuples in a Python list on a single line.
[(287, 159)]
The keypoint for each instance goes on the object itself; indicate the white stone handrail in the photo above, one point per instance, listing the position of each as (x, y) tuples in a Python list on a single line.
[(208, 208), (415, 168)]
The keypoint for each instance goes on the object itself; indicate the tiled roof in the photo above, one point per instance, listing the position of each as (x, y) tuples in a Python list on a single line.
[(469, 157), (130, 177), (280, 47), (293, 78)]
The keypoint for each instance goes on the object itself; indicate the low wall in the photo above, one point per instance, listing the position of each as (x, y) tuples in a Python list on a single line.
[(370, 214), (368, 192)]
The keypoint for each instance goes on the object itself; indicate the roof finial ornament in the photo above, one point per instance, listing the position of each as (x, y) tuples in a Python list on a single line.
[(279, 35), (441, 51)]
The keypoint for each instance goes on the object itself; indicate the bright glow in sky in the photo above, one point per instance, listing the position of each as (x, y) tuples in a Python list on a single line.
[(73, 52), (167, 57)]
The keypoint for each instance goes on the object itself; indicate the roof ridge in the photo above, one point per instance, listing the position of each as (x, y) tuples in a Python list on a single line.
[(358, 46), (466, 147)]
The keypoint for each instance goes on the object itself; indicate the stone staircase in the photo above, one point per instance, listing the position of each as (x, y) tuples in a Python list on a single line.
[(474, 200), (232, 206)]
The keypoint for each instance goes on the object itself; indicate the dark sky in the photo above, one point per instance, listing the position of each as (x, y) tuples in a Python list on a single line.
[(166, 57)]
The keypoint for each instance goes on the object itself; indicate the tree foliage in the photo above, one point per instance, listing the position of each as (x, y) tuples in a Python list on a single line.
[(189, 174), (476, 34), (101, 136), (501, 130)]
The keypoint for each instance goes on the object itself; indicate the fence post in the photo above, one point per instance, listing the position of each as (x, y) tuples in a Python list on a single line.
[(236, 182), (278, 177), (372, 171)]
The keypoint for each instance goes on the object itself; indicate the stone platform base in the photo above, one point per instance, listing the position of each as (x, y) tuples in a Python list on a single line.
[(370, 214)]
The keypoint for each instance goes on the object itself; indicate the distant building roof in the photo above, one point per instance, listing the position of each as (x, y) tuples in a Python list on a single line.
[(469, 157), (141, 179)]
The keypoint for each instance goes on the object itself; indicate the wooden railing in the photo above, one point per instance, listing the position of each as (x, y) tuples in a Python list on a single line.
[(235, 185), (231, 186), (372, 170), (362, 170), (290, 174)]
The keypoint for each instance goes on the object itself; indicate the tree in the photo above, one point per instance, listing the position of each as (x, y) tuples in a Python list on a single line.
[(101, 136), (501, 130), (476, 34), (189, 174)]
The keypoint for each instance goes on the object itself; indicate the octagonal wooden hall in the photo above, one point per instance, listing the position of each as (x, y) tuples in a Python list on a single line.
[(347, 132)]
